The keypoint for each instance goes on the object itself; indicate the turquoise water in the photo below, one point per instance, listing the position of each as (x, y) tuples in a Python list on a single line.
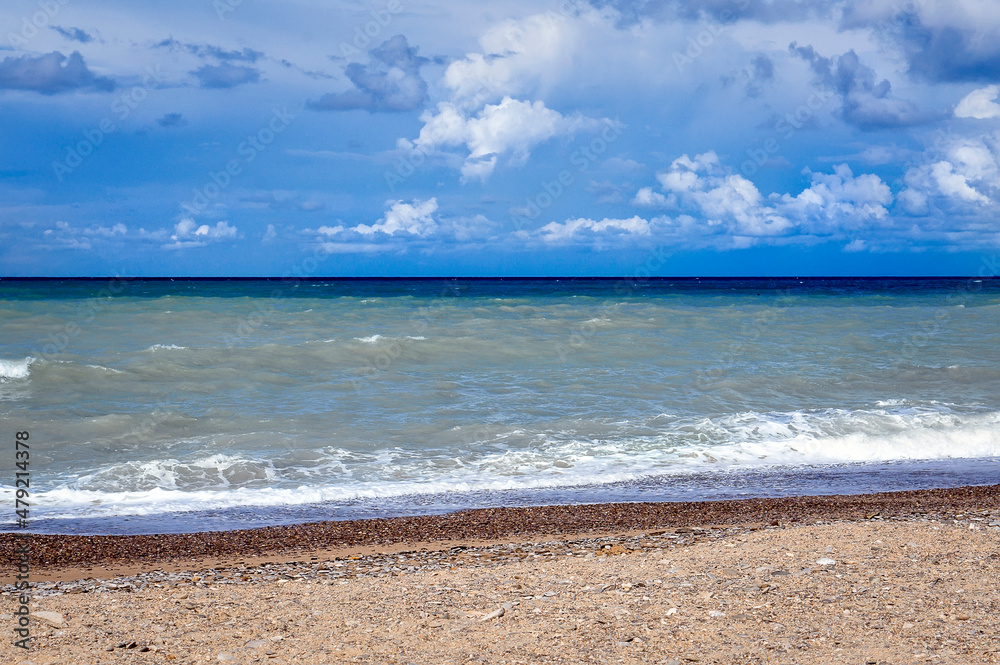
[(176, 405)]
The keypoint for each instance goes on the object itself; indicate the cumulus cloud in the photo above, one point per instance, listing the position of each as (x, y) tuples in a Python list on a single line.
[(864, 103), (225, 75), (730, 204), (722, 198), (518, 57), (484, 113), (583, 228), (510, 127), (51, 74), (188, 233), (980, 104), (415, 218), (646, 197), (964, 177), (391, 81), (406, 224), (837, 200)]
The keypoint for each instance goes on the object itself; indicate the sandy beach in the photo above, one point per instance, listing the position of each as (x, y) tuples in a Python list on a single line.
[(906, 577)]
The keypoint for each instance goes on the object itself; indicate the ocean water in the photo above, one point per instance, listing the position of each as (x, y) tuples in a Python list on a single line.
[(158, 406)]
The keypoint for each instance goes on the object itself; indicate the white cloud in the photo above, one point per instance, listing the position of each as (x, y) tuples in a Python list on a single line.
[(518, 56), (330, 230), (510, 126), (721, 197), (486, 112), (556, 232), (979, 104), (954, 184), (188, 233), (72, 237), (839, 198), (405, 225), (965, 174), (977, 159), (416, 218), (650, 199), (729, 205)]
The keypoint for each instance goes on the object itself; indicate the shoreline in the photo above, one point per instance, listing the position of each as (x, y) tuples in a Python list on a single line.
[(66, 557)]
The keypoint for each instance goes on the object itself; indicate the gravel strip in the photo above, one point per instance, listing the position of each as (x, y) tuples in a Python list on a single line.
[(496, 525), (405, 562)]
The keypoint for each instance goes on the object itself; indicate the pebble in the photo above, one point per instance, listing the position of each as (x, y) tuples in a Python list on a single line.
[(53, 619), (825, 561), (495, 614)]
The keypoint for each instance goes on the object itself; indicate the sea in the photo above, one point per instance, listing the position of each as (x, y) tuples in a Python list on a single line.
[(172, 405)]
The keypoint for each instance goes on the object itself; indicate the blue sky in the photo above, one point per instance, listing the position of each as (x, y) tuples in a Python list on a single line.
[(721, 137)]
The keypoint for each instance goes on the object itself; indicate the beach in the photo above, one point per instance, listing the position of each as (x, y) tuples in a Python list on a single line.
[(882, 578)]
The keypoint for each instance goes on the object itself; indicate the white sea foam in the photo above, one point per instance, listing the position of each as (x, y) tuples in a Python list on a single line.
[(165, 347), (369, 340), (550, 460), (15, 369)]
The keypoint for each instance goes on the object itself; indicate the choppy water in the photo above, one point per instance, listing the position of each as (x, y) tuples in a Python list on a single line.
[(181, 405)]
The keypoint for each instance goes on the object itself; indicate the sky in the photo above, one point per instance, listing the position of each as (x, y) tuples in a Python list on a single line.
[(404, 138)]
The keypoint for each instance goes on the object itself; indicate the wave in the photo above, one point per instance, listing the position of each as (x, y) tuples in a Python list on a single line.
[(522, 459), (15, 369), (215, 471)]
